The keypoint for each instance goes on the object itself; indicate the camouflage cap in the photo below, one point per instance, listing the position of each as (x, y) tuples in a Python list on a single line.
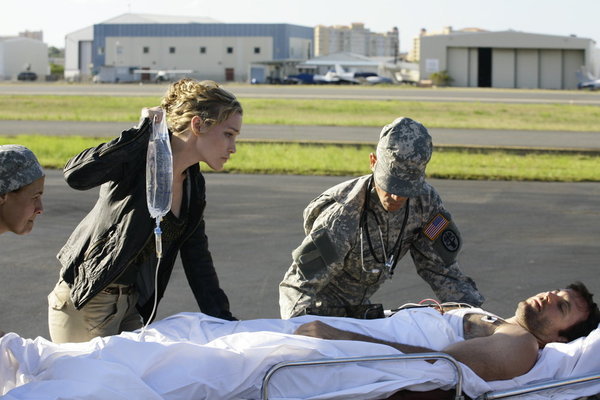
[(403, 151), (18, 167)]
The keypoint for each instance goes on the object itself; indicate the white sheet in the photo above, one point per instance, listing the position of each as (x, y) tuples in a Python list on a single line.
[(193, 356)]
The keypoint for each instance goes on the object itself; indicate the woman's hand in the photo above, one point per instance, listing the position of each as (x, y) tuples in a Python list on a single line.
[(154, 113)]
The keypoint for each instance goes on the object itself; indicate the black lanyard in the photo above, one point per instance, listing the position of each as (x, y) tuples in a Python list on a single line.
[(364, 225)]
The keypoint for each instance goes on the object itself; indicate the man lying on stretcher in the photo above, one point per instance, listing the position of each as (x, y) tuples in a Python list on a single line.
[(495, 348), (192, 355)]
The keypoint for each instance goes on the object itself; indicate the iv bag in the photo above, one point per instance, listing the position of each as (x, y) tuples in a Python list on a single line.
[(159, 170)]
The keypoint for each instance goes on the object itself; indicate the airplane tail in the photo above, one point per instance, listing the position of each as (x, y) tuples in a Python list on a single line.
[(339, 69)]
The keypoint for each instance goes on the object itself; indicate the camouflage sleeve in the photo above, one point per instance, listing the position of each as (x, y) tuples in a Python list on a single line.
[(435, 255), (318, 259)]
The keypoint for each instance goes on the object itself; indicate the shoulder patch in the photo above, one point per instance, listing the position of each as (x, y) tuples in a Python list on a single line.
[(435, 226), (450, 240)]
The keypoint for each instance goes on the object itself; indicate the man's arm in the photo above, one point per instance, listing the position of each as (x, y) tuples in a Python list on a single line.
[(322, 330), (507, 353)]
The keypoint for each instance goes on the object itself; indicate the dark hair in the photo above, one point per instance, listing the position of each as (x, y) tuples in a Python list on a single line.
[(583, 328)]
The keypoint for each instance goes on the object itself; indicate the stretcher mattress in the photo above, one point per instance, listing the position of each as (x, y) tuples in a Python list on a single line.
[(191, 355)]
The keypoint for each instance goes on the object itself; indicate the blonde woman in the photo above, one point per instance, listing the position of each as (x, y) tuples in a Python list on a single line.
[(106, 282)]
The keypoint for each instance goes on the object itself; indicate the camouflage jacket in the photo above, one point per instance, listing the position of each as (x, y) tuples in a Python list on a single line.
[(331, 269)]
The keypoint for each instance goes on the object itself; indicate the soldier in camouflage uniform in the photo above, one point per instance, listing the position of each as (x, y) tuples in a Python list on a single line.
[(21, 187), (358, 230)]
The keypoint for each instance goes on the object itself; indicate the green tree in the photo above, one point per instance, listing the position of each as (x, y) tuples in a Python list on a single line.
[(55, 52), (56, 69), (441, 78)]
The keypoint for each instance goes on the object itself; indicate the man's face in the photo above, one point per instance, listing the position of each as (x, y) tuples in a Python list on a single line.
[(18, 209), (548, 313), (390, 202)]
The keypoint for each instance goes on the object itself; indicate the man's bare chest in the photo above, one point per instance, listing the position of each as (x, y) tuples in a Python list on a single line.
[(479, 325)]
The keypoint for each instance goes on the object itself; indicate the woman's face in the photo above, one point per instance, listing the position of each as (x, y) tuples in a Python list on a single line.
[(217, 143), (18, 209)]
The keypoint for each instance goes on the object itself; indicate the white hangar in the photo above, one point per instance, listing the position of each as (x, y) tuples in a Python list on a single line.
[(507, 59), (18, 54)]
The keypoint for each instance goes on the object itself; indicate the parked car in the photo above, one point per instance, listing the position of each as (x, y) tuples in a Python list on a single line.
[(27, 76)]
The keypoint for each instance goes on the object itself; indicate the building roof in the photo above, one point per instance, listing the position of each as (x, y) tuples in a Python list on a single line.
[(514, 33), (130, 18), (509, 39)]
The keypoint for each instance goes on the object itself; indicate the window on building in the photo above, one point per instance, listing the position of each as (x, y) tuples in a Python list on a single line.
[(202, 50), (146, 50), (230, 50), (171, 50), (257, 50), (100, 51)]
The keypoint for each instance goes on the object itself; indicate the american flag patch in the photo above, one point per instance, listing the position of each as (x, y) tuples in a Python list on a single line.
[(437, 225)]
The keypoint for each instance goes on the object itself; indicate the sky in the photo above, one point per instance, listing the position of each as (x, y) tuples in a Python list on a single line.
[(57, 18)]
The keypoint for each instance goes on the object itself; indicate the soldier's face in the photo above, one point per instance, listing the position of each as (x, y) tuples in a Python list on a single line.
[(390, 202), (18, 209)]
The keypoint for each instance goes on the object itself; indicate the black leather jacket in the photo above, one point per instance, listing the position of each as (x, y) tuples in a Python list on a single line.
[(119, 226)]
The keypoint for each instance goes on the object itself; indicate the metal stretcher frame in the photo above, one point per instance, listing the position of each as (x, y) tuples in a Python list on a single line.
[(538, 387), (395, 357), (493, 395)]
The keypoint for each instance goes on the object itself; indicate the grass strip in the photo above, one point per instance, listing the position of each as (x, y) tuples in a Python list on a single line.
[(458, 115), (336, 160)]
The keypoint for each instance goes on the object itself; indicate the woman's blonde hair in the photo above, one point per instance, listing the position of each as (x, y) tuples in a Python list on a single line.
[(188, 98)]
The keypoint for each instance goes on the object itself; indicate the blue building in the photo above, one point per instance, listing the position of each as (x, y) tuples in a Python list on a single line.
[(139, 47)]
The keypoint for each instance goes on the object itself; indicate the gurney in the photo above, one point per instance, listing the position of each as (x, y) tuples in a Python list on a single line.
[(193, 356), (573, 367), (537, 388)]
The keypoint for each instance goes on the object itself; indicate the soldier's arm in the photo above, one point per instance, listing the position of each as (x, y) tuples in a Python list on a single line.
[(316, 262), (435, 254)]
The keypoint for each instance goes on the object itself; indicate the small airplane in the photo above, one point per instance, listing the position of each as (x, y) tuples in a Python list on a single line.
[(359, 77), (340, 76), (586, 80), (329, 77), (163, 75)]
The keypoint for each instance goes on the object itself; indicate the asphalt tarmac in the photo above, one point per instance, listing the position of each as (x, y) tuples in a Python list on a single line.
[(519, 239)]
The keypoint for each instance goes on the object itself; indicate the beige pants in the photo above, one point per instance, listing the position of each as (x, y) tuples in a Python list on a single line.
[(104, 315)]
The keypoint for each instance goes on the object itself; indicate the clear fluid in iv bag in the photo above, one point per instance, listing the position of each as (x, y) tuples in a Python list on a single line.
[(159, 177)]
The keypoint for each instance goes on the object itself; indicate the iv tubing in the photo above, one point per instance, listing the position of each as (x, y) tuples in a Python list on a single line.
[(158, 238)]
